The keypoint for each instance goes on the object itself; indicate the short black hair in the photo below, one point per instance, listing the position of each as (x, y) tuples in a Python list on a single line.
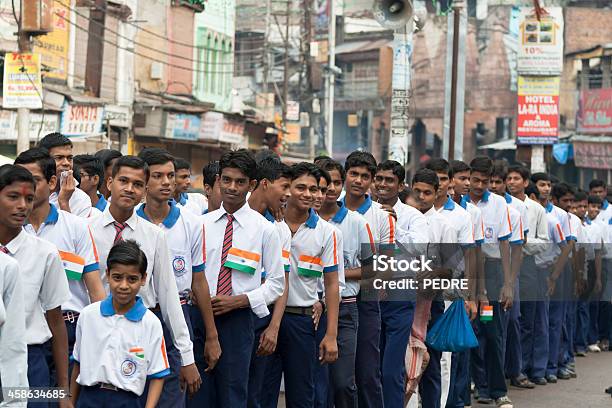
[(535, 177), (133, 162), (440, 165), (264, 154), (532, 189), (305, 169), (40, 156), (561, 189), (321, 157), (90, 165), (272, 169), (482, 164), (397, 169), (580, 196), (10, 173), (127, 252), (210, 173), (458, 166), (107, 156), (331, 165), (242, 160), (361, 159), (154, 156), (500, 169), (55, 139), (521, 170), (595, 200), (426, 176), (597, 183), (403, 194), (323, 174), (181, 164)]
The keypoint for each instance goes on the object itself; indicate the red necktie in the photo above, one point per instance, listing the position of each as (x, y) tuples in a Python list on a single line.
[(4, 249), (119, 227), (224, 285)]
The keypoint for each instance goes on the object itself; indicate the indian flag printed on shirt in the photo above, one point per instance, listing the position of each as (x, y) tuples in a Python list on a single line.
[(137, 351), (486, 314), (310, 266), (243, 261), (73, 265), (286, 262)]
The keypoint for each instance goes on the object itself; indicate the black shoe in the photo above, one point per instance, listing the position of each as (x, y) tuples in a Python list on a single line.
[(552, 379), (539, 381), (522, 382), (609, 390), (563, 375)]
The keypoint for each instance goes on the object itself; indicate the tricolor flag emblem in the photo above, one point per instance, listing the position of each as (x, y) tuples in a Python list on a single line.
[(243, 261), (310, 266), (286, 262), (73, 265), (486, 314), (137, 351)]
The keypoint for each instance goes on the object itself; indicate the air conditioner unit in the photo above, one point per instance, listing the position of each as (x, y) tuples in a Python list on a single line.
[(157, 70)]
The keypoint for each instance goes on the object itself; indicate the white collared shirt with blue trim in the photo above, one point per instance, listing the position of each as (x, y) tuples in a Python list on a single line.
[(577, 230), (196, 203), (521, 207), (411, 224), (605, 214), (184, 235), (563, 218), (496, 222), (160, 287), (100, 206), (607, 234), (357, 244), (255, 242), (122, 350), (476, 217), (538, 235), (80, 203), (71, 235), (593, 238), (548, 256), (314, 251), (284, 234), (45, 285), (460, 221), (382, 223)]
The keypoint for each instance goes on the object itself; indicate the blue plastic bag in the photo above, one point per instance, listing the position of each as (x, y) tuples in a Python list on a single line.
[(453, 330)]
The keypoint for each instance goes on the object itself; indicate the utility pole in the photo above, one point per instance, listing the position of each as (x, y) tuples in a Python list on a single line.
[(331, 80), (286, 68), (23, 114), (266, 55)]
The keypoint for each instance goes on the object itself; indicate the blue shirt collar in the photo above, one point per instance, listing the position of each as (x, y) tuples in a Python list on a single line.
[(53, 215), (464, 200), (102, 203), (605, 204), (449, 204), (508, 198), (135, 314), (312, 220), (341, 214), (183, 197), (549, 207), (363, 208), (587, 220), (269, 216), (170, 219), (484, 199)]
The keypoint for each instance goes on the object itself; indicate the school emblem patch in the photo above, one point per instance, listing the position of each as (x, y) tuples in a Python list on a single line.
[(178, 264), (489, 232), (128, 368)]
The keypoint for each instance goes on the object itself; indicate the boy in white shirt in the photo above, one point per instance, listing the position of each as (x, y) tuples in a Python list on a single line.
[(45, 286), (119, 342), (89, 171), (194, 202), (108, 157)]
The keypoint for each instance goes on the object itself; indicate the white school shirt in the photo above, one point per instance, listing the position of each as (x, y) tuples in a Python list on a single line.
[(72, 237), (496, 222), (160, 286), (184, 235), (44, 281), (314, 252), (521, 207), (606, 212), (607, 234), (577, 230), (196, 203), (563, 218), (122, 350), (516, 222), (551, 251), (476, 216), (80, 203), (593, 241), (538, 235), (411, 224), (14, 355), (357, 243), (255, 247), (284, 234), (383, 224), (460, 221), (99, 207)]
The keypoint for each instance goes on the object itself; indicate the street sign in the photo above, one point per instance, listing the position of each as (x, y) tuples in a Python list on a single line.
[(538, 110)]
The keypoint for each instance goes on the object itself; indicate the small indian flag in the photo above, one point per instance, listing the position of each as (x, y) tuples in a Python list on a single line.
[(137, 351), (486, 314), (73, 265), (310, 266), (286, 261), (243, 261)]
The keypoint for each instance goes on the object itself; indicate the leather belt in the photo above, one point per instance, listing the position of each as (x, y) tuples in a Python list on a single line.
[(302, 311)]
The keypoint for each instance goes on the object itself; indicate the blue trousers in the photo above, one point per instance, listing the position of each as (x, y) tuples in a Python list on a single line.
[(534, 338), (513, 352), (321, 370), (227, 384), (459, 394), (556, 318), (430, 387), (38, 371), (396, 322), (257, 370), (343, 389), (582, 325), (567, 339), (367, 363), (96, 397)]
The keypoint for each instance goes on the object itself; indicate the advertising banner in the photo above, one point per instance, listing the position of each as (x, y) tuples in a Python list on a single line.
[(538, 110), (182, 126), (22, 85), (82, 120), (53, 47), (595, 111), (540, 42)]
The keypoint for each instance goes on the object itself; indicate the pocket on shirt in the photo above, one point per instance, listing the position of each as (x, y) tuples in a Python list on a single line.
[(133, 365)]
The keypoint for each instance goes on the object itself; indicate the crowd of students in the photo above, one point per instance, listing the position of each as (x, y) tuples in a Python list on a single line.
[(125, 288)]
